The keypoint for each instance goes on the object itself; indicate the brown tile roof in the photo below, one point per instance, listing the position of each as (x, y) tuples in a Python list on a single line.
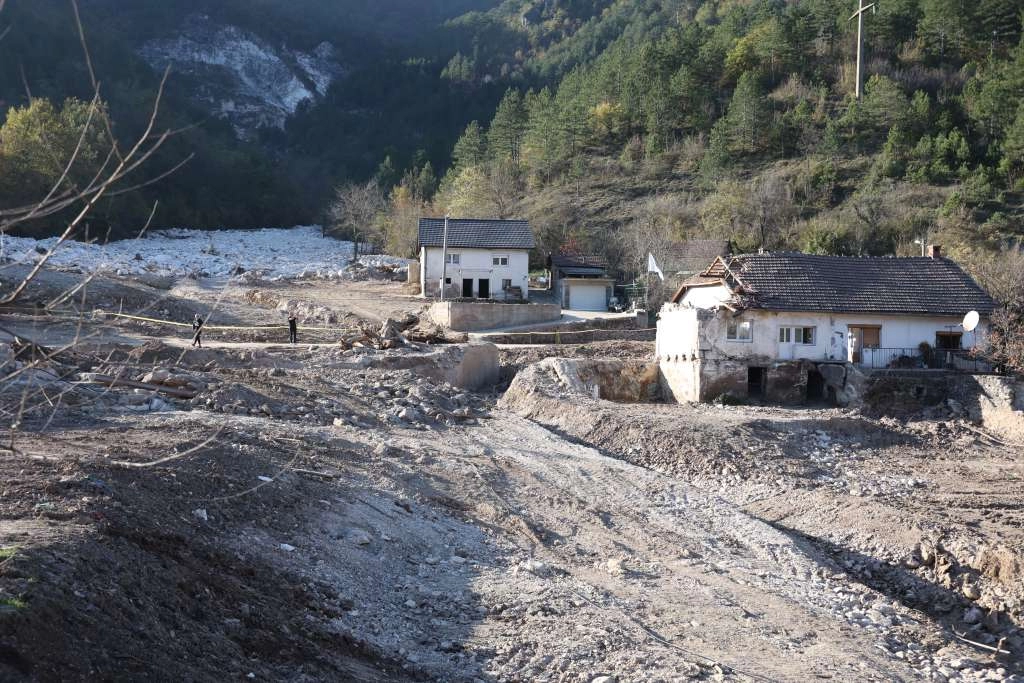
[(847, 284), (570, 258)]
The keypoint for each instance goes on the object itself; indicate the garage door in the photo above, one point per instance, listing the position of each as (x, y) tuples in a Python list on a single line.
[(587, 298)]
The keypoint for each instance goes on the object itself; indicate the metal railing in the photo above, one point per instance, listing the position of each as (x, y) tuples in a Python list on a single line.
[(918, 359)]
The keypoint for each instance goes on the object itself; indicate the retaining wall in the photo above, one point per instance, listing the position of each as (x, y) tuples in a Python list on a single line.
[(569, 337), (466, 316)]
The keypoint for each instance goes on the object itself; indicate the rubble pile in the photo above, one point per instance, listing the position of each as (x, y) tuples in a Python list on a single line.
[(365, 269), (406, 331), (262, 297), (306, 311), (405, 400), (31, 380)]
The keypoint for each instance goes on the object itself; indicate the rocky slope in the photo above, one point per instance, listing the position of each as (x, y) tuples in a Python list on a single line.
[(241, 77)]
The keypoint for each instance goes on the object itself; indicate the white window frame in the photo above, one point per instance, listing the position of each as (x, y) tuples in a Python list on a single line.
[(500, 260), (801, 336), (453, 258), (785, 335), (733, 331)]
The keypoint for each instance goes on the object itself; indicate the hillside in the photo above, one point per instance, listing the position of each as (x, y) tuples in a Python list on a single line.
[(624, 124), (648, 121)]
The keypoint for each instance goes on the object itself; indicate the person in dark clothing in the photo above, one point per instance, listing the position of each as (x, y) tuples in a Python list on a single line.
[(293, 329), (197, 331)]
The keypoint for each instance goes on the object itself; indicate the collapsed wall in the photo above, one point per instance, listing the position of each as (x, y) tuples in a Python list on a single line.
[(1000, 404)]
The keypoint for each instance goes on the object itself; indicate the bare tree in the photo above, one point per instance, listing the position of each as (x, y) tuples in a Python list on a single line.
[(355, 213), (1002, 274), (654, 227), (22, 391), (772, 210)]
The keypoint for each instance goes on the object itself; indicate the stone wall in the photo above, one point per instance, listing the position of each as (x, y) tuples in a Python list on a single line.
[(467, 316), (996, 401)]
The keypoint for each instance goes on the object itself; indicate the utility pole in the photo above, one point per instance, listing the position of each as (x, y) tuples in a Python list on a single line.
[(859, 16), (444, 256)]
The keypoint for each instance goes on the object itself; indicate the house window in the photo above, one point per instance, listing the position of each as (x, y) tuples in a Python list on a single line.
[(799, 335), (948, 340), (803, 335), (739, 331), (500, 261), (506, 284), (452, 259)]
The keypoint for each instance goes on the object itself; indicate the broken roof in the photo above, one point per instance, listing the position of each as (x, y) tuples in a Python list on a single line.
[(571, 258), (847, 284), (692, 256), (477, 233)]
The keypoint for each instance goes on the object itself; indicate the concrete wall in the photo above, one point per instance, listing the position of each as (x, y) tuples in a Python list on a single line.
[(475, 264), (679, 380), (465, 316), (414, 274), (569, 336)]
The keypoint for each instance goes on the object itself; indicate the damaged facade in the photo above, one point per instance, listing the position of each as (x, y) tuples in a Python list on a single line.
[(790, 327)]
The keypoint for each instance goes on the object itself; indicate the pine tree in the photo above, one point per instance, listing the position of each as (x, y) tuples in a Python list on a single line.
[(505, 134), (543, 140), (426, 182), (471, 148), (747, 122), (1012, 163)]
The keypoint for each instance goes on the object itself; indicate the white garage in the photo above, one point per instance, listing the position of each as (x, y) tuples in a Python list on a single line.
[(587, 294)]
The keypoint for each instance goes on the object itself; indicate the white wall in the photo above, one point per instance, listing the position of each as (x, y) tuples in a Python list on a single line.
[(706, 297), (677, 333), (681, 332), (476, 264)]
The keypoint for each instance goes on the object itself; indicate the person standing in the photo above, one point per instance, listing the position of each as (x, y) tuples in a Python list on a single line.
[(197, 331), (293, 329)]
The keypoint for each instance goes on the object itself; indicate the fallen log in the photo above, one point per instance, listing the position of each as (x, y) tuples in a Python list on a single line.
[(109, 381)]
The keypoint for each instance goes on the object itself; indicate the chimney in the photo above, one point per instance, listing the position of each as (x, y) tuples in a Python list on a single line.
[(935, 250)]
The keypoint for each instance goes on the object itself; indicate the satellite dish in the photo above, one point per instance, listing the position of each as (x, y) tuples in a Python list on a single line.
[(971, 321)]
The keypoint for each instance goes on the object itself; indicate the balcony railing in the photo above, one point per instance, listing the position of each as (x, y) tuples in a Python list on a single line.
[(916, 359)]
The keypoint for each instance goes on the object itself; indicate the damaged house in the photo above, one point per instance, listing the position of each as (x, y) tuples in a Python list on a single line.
[(790, 327)]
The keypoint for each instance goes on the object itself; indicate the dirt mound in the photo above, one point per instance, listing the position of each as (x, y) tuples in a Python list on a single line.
[(144, 583)]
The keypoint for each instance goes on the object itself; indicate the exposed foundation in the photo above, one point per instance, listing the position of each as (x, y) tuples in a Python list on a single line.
[(787, 382)]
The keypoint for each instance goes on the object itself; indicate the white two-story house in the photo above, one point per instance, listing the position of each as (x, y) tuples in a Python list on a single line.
[(760, 324), (480, 258)]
